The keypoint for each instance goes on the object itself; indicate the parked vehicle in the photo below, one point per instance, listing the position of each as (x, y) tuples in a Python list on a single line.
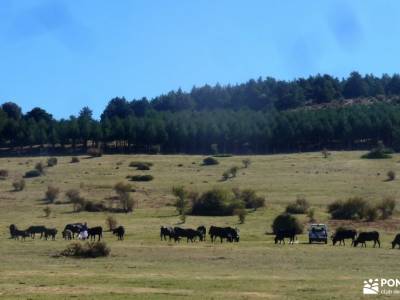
[(318, 233)]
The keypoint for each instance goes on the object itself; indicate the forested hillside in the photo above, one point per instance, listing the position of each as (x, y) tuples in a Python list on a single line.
[(260, 116)]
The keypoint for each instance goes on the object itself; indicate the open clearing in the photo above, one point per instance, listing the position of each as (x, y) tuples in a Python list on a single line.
[(144, 267)]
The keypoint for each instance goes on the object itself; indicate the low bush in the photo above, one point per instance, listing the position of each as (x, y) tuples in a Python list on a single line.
[(241, 213), (230, 173), (74, 159), (91, 206), (52, 161), (40, 167), (19, 185), (32, 173), (391, 175), (142, 177), (141, 165), (209, 161), (246, 162), (52, 193), (386, 207), (87, 250), (94, 152), (287, 222), (3, 174), (223, 155), (380, 152), (76, 199), (216, 202), (249, 197), (300, 206), (47, 211), (352, 209)]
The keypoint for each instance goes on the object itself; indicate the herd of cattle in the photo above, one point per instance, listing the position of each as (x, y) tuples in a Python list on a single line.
[(72, 231)]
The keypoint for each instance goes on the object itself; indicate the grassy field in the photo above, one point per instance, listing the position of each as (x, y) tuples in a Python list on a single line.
[(143, 267)]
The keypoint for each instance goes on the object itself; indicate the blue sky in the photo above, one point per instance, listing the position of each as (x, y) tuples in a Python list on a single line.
[(63, 55)]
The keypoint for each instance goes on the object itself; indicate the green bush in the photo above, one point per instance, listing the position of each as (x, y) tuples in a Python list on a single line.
[(32, 173), (352, 209), (216, 202), (141, 165), (19, 185), (209, 161), (286, 222), (52, 193), (380, 152), (88, 250), (142, 177), (391, 175), (40, 167), (3, 174), (52, 161), (241, 213), (94, 152), (74, 159), (249, 197), (386, 207), (300, 206)]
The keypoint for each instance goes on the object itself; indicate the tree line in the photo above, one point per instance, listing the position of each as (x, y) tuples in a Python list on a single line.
[(255, 117)]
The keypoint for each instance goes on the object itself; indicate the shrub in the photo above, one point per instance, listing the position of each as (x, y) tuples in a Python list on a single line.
[(74, 159), (52, 193), (88, 250), (76, 199), (52, 161), (288, 222), (310, 215), (19, 185), (32, 173), (325, 153), (181, 202), (121, 188), (141, 165), (94, 152), (300, 206), (90, 206), (125, 199), (250, 198), (47, 211), (40, 167), (209, 161), (230, 173), (391, 175), (351, 209), (142, 177), (111, 222), (246, 162), (216, 202), (379, 152), (241, 213), (371, 213), (386, 207), (3, 174)]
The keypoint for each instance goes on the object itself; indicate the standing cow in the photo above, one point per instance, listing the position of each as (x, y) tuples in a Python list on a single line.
[(364, 237), (342, 234)]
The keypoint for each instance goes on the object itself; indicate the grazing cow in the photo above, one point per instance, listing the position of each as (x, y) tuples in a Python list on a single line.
[(50, 232), (228, 233), (367, 236), (92, 232), (167, 232), (12, 229), (67, 234), (342, 234), (282, 234), (396, 241), (32, 230), (189, 234), (202, 229), (20, 233), (119, 232), (75, 228)]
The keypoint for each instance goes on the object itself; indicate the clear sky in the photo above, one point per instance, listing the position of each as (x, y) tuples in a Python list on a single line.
[(62, 55)]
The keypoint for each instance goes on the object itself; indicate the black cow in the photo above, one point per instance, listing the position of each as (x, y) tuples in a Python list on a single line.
[(75, 228), (367, 236), (342, 234), (119, 232), (282, 234), (67, 234), (50, 232), (189, 234), (228, 233), (396, 241), (20, 234), (202, 229), (92, 232), (32, 230), (167, 232), (12, 228)]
